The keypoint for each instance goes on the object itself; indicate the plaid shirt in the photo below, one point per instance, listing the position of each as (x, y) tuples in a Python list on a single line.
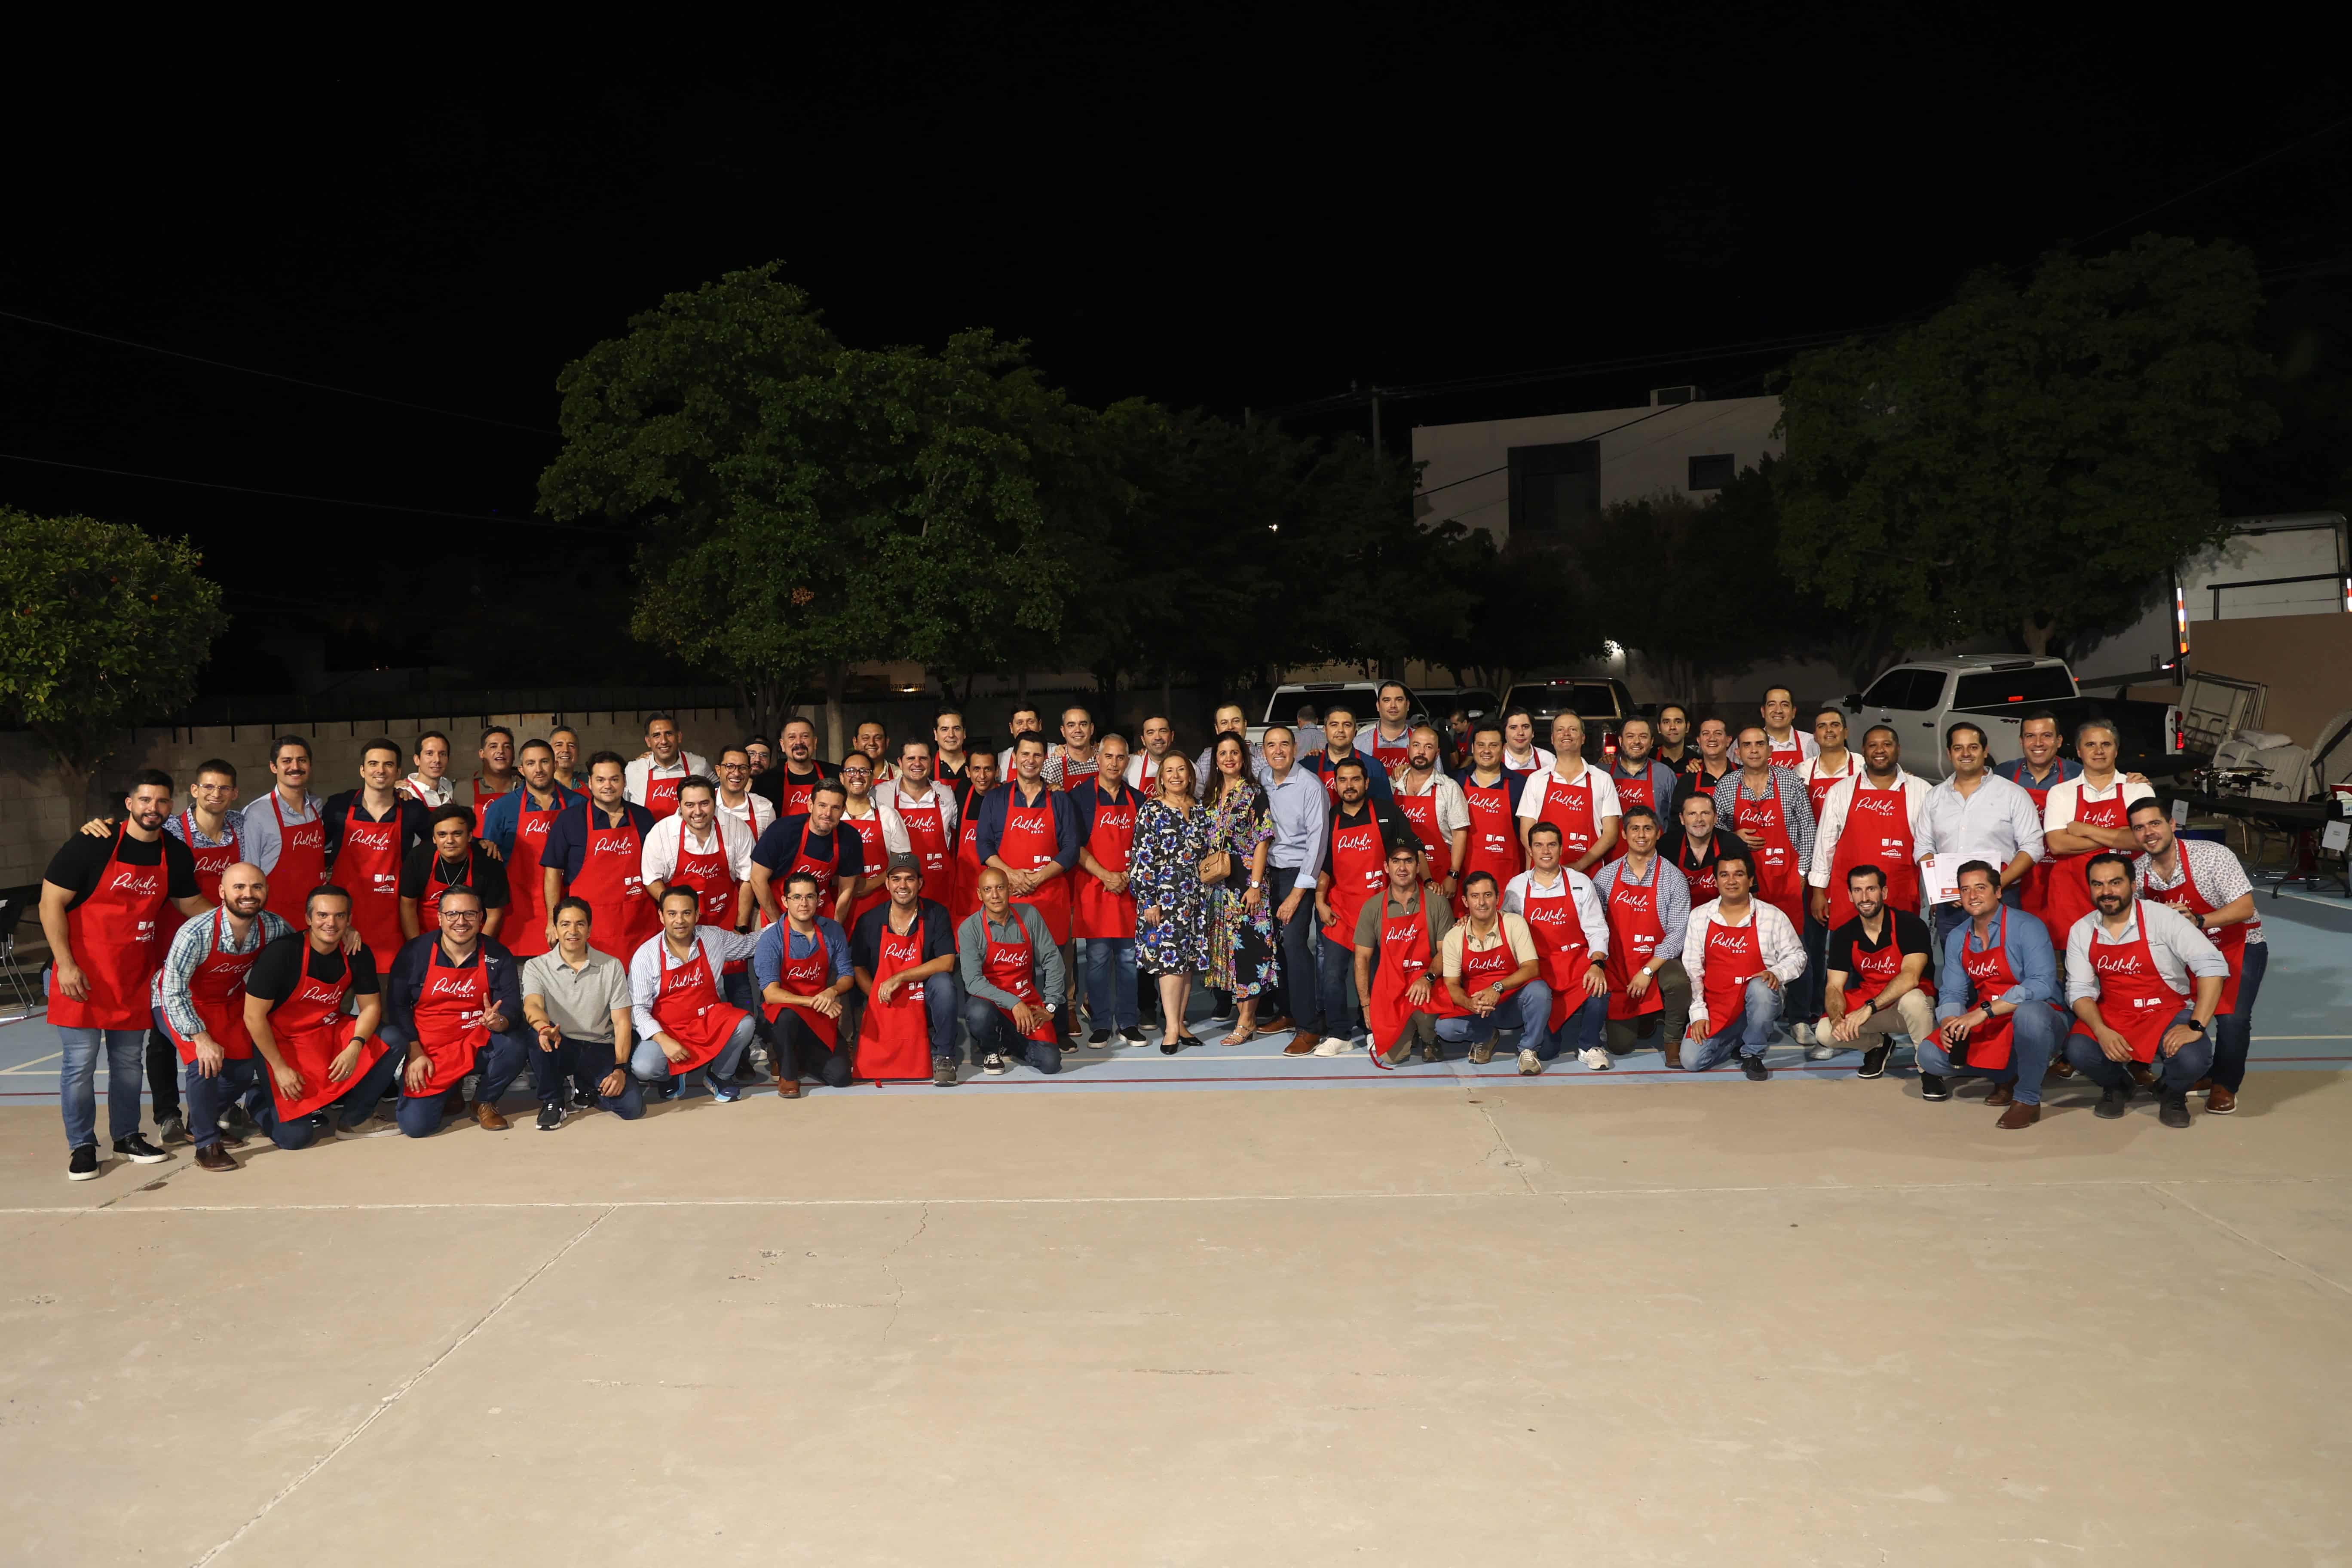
[(191, 945), (1796, 809)]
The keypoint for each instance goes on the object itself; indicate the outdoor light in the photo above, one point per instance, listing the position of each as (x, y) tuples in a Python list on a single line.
[(1610, 644)]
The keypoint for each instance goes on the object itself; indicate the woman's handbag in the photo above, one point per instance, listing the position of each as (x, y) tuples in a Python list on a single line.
[(1216, 866)]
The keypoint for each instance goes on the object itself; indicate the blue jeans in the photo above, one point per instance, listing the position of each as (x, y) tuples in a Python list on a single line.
[(2177, 1073), (582, 1064), (1110, 982), (1746, 1034), (1527, 1009), (1335, 986), (1584, 1028), (648, 1065), (993, 1034), (2233, 1031), (500, 1062), (126, 1057), (1300, 995), (2040, 1034)]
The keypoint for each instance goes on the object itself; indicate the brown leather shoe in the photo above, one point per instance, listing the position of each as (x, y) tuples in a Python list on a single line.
[(2143, 1075), (2017, 1118), (487, 1117), (212, 1157), (789, 1087), (1276, 1026), (1302, 1044), (2060, 1068), (1674, 1055), (2201, 1085), (2002, 1094), (2220, 1101)]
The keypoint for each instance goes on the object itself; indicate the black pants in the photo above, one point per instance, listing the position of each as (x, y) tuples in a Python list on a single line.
[(801, 1053), (162, 1075)]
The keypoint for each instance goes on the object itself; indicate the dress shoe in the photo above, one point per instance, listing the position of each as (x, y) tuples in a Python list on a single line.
[(1302, 1044), (487, 1117), (790, 1088), (1675, 1056), (212, 1157), (2002, 1094), (2220, 1101), (2143, 1075), (2202, 1086), (2060, 1068), (2019, 1117), (2174, 1111)]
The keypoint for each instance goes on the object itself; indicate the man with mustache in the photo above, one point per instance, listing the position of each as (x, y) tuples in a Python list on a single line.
[(2131, 968)]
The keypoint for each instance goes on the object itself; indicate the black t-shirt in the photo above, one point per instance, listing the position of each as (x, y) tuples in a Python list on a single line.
[(272, 976), (337, 812), (772, 782), (81, 860), (488, 877), (931, 920), (1906, 931)]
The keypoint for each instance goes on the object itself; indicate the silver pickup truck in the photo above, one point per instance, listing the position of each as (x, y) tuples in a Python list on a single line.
[(1923, 699)]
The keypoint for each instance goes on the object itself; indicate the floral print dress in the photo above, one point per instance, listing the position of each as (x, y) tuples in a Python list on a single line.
[(1242, 949), (1164, 871)]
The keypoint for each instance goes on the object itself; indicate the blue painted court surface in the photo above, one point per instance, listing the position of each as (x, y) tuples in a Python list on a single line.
[(2303, 1022)]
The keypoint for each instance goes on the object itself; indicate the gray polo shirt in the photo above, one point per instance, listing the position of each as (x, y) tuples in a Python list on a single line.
[(580, 1002)]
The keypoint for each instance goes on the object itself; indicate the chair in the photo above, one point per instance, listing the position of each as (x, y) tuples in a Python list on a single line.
[(20, 990)]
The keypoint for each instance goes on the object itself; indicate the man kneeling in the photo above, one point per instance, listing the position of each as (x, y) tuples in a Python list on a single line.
[(1876, 962), (1396, 937), (576, 1001), (1998, 1003), (681, 1022), (2145, 984), (1738, 951), (455, 997), (1491, 968), (1011, 967)]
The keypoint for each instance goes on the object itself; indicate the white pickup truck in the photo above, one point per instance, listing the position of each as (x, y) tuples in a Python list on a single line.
[(1923, 699)]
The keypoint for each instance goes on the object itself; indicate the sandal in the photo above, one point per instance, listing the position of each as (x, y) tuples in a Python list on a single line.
[(1239, 1038)]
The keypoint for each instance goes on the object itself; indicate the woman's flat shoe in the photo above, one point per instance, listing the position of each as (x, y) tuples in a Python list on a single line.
[(1169, 1048)]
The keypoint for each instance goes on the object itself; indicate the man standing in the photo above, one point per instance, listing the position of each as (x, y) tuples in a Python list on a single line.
[(1024, 721), (875, 741), (210, 829), (564, 741), (1978, 816), (711, 855), (1391, 740), (1877, 966), (1030, 832), (1830, 764), (1229, 720), (1647, 903), (1570, 927), (1637, 775), (789, 787), (103, 901), (286, 835), (2085, 815), (1072, 763), (736, 799), (1355, 868), (449, 858), (815, 844), (680, 1021), (199, 1006), (1491, 793), (803, 968), (1573, 796), (2129, 971), (2203, 882), (596, 851), (1338, 749), (1432, 802), (759, 754), (979, 779), (431, 785), (576, 1001), (2038, 771), (1707, 766), (904, 956), (455, 1001), (497, 776), (1787, 748), (1397, 937), (1698, 843), (1520, 752), (370, 832), (652, 779), (877, 835), (1102, 910), (1999, 999), (1875, 816), (948, 755), (312, 1004), (925, 813), (1738, 950), (516, 826), (1143, 768), (1301, 814), (1494, 978), (1012, 977), (1673, 739), (1765, 805)]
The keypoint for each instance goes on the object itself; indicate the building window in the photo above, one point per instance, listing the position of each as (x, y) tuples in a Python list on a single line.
[(1556, 489), (1711, 472)]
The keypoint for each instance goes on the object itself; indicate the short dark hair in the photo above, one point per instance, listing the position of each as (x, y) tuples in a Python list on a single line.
[(1268, 734), (810, 877), (383, 743), (146, 778), (1738, 855), (1977, 729), (1550, 828), (1770, 690), (217, 765), (696, 781), (572, 901), (428, 736), (797, 719), (1486, 727), (2108, 858), (674, 891), (945, 713), (1026, 736), (1632, 814), (1382, 690), (2041, 713), (454, 888), (598, 759), (324, 890), (2151, 804), (1329, 708), (535, 741), (1351, 761), (831, 785), (1474, 877), (283, 742), (1991, 872), (914, 741), (1829, 709), (1891, 735), (452, 812), (1631, 718), (850, 757), (1666, 708), (653, 719), (496, 730), (1867, 869)]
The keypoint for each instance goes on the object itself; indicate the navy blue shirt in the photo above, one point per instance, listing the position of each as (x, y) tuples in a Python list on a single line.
[(1514, 785), (411, 811), (990, 834), (406, 980), (1320, 765), (567, 836), (787, 836)]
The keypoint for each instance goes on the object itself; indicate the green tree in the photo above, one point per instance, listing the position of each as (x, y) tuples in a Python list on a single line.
[(1692, 585), (106, 625), (2029, 460)]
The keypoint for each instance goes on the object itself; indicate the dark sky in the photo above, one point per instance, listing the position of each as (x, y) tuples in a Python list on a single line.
[(1199, 209)]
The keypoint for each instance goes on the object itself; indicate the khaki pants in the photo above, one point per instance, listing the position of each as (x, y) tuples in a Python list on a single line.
[(1912, 1015)]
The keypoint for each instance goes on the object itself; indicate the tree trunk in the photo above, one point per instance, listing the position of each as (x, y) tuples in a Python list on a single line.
[(836, 684), (2038, 633)]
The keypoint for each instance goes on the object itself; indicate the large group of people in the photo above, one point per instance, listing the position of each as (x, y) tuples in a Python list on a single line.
[(635, 928)]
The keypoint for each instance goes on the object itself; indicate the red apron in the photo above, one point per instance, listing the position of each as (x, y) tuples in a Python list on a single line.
[(894, 1037), (1734, 957), (1535, 761), (1991, 975), (211, 861), (1148, 783), (1075, 772), (368, 864), (1559, 945), (1403, 959), (1874, 970), (1421, 810), (706, 874), (1818, 788), (2068, 898), (1389, 754), (311, 1030), (927, 836), (1700, 878), (612, 879), (2033, 888), (806, 976), (964, 895), (2192, 902), (1791, 756), (1488, 966), (2133, 998), (428, 907), (1569, 808), (301, 865), (216, 991), (448, 1017), (1877, 832), (868, 829), (1358, 872), (482, 802), (112, 933), (661, 795), (1631, 793), (795, 801), (1028, 842), (1634, 932), (804, 864), (1006, 966), (688, 1008), (1494, 846), (1095, 910), (524, 931), (1780, 882)]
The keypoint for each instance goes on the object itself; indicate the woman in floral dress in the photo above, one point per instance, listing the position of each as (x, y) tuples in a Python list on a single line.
[(1171, 923), (1240, 924)]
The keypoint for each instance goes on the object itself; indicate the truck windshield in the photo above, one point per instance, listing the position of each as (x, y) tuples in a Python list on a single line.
[(2003, 687)]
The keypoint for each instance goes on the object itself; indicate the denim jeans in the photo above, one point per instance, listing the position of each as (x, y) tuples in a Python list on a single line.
[(2177, 1073), (1334, 987), (581, 1065), (2233, 1031), (648, 1065), (993, 1034), (126, 1051), (1110, 982), (1299, 993), (348, 1111), (500, 1062), (1747, 1034), (2039, 1034), (1527, 1010)]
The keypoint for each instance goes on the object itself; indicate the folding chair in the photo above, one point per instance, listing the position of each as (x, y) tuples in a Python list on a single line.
[(20, 989)]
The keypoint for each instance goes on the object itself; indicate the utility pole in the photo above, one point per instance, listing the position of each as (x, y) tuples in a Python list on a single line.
[(1376, 422)]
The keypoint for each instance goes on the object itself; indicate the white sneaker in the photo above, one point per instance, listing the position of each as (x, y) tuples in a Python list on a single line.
[(992, 1064), (1332, 1046), (1820, 1052), (1592, 1057), (1802, 1034), (1531, 1064)]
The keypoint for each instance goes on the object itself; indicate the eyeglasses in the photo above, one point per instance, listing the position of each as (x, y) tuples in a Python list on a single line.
[(449, 916), (857, 772)]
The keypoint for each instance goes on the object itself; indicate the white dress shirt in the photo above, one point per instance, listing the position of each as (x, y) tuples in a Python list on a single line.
[(657, 862), (1534, 762), (1453, 806), (2179, 948), (1834, 805), (756, 812), (2066, 800), (640, 770), (893, 829), (892, 798), (1567, 883), (1776, 943)]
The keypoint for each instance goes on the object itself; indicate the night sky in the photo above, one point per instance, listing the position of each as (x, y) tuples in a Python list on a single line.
[(1193, 208)]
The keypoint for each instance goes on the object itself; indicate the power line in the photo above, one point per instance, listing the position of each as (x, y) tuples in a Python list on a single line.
[(274, 376), (2216, 180)]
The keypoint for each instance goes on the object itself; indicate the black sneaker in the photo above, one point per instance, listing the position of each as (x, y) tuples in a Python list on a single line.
[(584, 1099), (2113, 1102), (943, 1073), (234, 1118), (1133, 1036), (140, 1152), (2174, 1111), (84, 1163), (662, 1089), (172, 1130), (1873, 1062), (1755, 1068), (550, 1116), (1933, 1088), (1099, 1037)]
